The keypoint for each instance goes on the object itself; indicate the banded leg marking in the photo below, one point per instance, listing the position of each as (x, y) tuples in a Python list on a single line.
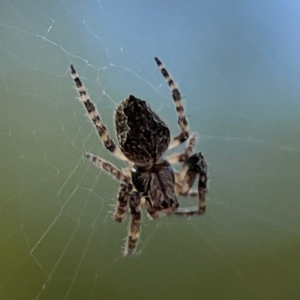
[(94, 115), (182, 121), (111, 169), (193, 166), (135, 225), (123, 199), (181, 157)]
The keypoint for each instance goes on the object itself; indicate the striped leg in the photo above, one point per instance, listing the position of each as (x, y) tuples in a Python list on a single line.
[(111, 169), (123, 199), (181, 157), (195, 165), (135, 225), (182, 121), (190, 193), (94, 115)]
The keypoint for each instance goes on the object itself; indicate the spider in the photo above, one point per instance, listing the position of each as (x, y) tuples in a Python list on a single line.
[(150, 180)]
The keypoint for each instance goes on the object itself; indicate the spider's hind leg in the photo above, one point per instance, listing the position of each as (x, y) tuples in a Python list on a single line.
[(195, 164)]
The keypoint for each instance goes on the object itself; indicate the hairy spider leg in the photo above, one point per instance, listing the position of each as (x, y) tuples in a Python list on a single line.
[(195, 165), (123, 199), (182, 121), (111, 169), (135, 225), (181, 157), (94, 115), (184, 179), (126, 196)]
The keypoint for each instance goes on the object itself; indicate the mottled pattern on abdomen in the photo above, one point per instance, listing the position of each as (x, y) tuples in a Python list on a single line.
[(142, 135)]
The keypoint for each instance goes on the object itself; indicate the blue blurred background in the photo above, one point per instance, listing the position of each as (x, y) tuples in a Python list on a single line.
[(238, 67)]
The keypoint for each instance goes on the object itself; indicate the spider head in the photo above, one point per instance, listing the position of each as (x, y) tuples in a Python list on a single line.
[(156, 182), (143, 137)]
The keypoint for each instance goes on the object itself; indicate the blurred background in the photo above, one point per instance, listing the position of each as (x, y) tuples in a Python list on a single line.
[(238, 67)]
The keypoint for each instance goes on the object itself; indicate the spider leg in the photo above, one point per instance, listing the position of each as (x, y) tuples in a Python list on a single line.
[(195, 165), (135, 225), (126, 196), (94, 115), (189, 193), (111, 169), (181, 157), (182, 121), (123, 199), (125, 188)]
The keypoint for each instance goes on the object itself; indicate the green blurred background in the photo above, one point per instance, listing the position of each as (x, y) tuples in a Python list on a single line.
[(238, 67)]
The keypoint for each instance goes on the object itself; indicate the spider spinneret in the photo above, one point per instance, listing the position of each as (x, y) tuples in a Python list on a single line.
[(150, 179)]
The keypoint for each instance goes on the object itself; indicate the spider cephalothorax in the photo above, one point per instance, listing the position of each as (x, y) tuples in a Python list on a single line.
[(150, 180)]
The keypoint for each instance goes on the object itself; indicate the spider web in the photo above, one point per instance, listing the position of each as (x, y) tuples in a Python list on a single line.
[(238, 69)]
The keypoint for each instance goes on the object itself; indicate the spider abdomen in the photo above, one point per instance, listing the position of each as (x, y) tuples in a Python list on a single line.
[(142, 135)]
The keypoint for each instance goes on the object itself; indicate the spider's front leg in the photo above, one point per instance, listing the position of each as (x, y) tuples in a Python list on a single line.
[(95, 117), (194, 165), (182, 121)]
